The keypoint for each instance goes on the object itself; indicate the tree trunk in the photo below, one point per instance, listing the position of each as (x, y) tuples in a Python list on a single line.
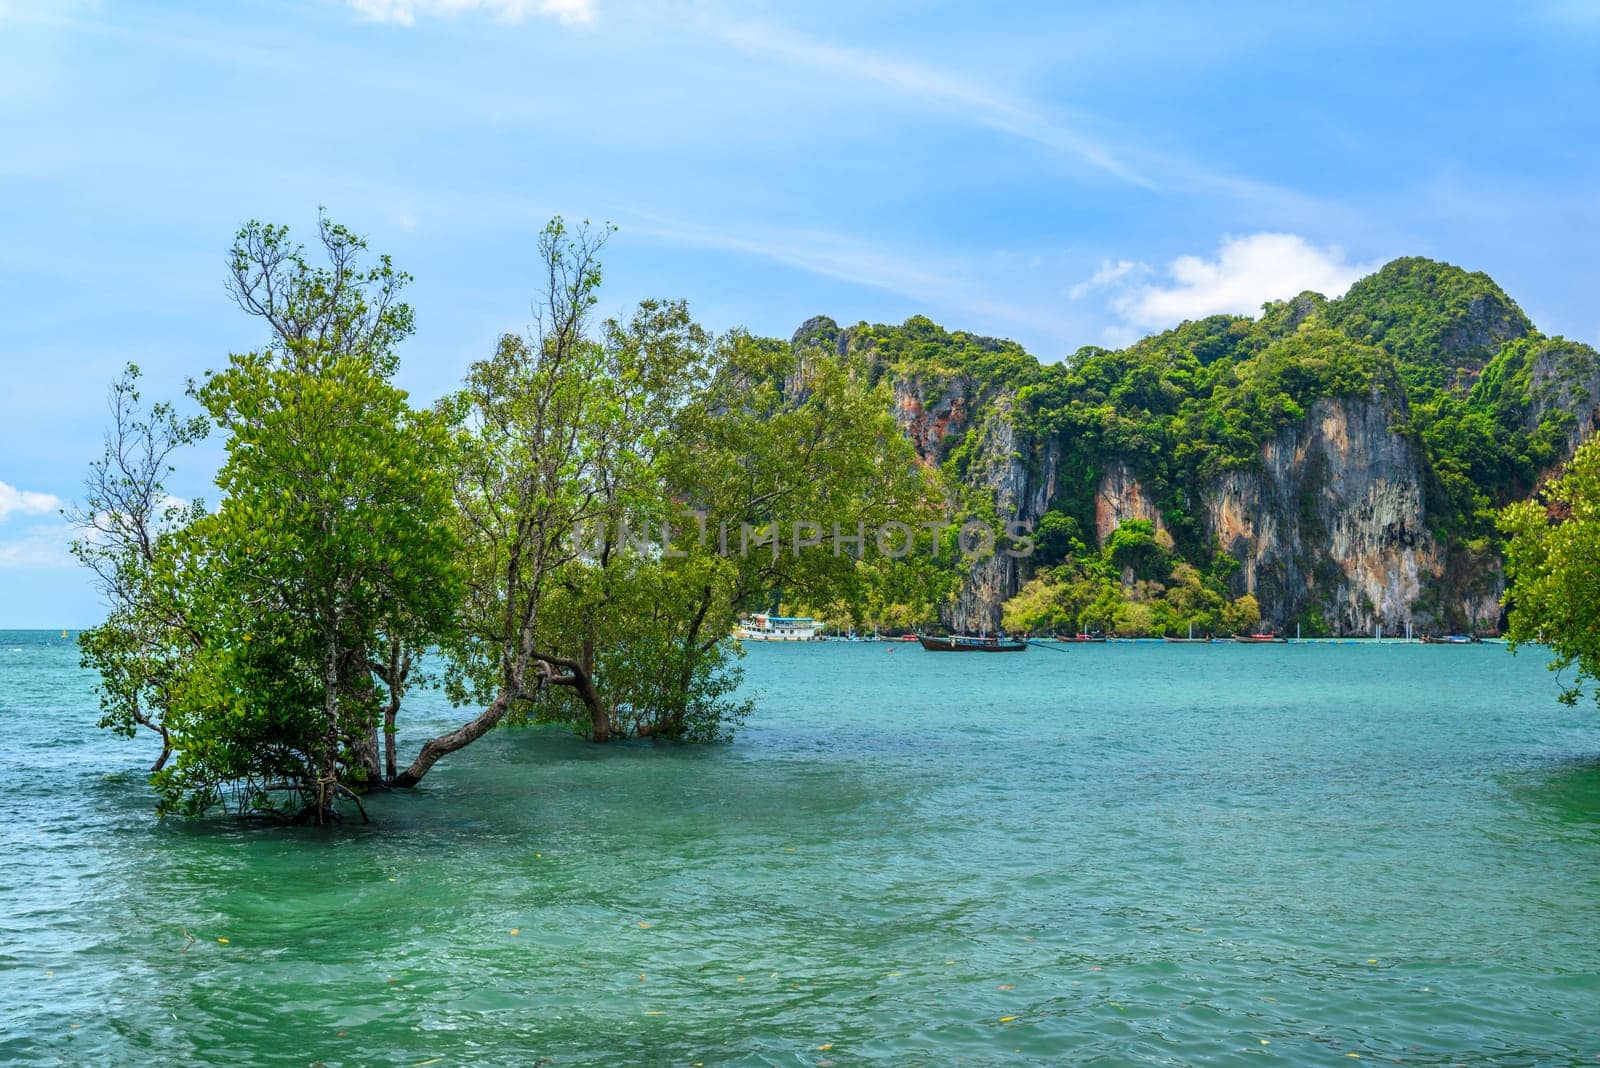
[(388, 739), (166, 745), (599, 715), (583, 682), (462, 736), (399, 668), (371, 764), (329, 772), (691, 655)]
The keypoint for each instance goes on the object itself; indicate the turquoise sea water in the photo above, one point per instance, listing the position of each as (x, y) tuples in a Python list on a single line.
[(1116, 854)]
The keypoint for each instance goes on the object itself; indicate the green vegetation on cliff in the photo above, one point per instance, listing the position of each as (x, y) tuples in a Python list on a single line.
[(1453, 362)]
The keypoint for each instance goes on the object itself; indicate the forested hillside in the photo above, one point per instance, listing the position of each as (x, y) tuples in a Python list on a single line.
[(1332, 465)]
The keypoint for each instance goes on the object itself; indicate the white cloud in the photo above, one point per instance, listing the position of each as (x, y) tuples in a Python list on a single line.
[(406, 12), (25, 502), (1247, 272), (1110, 271), (43, 545)]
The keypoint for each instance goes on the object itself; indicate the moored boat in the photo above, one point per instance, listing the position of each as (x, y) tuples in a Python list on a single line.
[(1259, 639), (1079, 638), (1451, 639), (971, 643), (764, 627)]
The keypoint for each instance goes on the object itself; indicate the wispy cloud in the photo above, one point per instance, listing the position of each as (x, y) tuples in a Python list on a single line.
[(406, 12), (849, 259), (947, 92), (1247, 272), (1570, 13), (1121, 155), (15, 501)]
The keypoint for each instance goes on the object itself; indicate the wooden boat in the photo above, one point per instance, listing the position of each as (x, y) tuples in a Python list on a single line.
[(970, 643), (1078, 638), (1451, 639), (1170, 640), (1259, 639)]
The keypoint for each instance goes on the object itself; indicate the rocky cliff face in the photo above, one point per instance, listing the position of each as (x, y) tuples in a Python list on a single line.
[(1121, 497), (933, 416), (1565, 377), (1021, 475), (1331, 521), (1334, 520)]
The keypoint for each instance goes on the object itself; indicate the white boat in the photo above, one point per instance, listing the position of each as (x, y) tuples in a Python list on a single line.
[(762, 627)]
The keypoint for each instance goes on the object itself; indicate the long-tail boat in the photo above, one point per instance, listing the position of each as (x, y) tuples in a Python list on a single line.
[(971, 643)]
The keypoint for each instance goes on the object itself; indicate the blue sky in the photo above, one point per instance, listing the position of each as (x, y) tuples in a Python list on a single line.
[(1064, 174)]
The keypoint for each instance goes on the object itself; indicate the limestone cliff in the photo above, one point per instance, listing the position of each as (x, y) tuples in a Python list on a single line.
[(1348, 454), (1021, 475), (1565, 377), (1121, 497), (1333, 520)]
